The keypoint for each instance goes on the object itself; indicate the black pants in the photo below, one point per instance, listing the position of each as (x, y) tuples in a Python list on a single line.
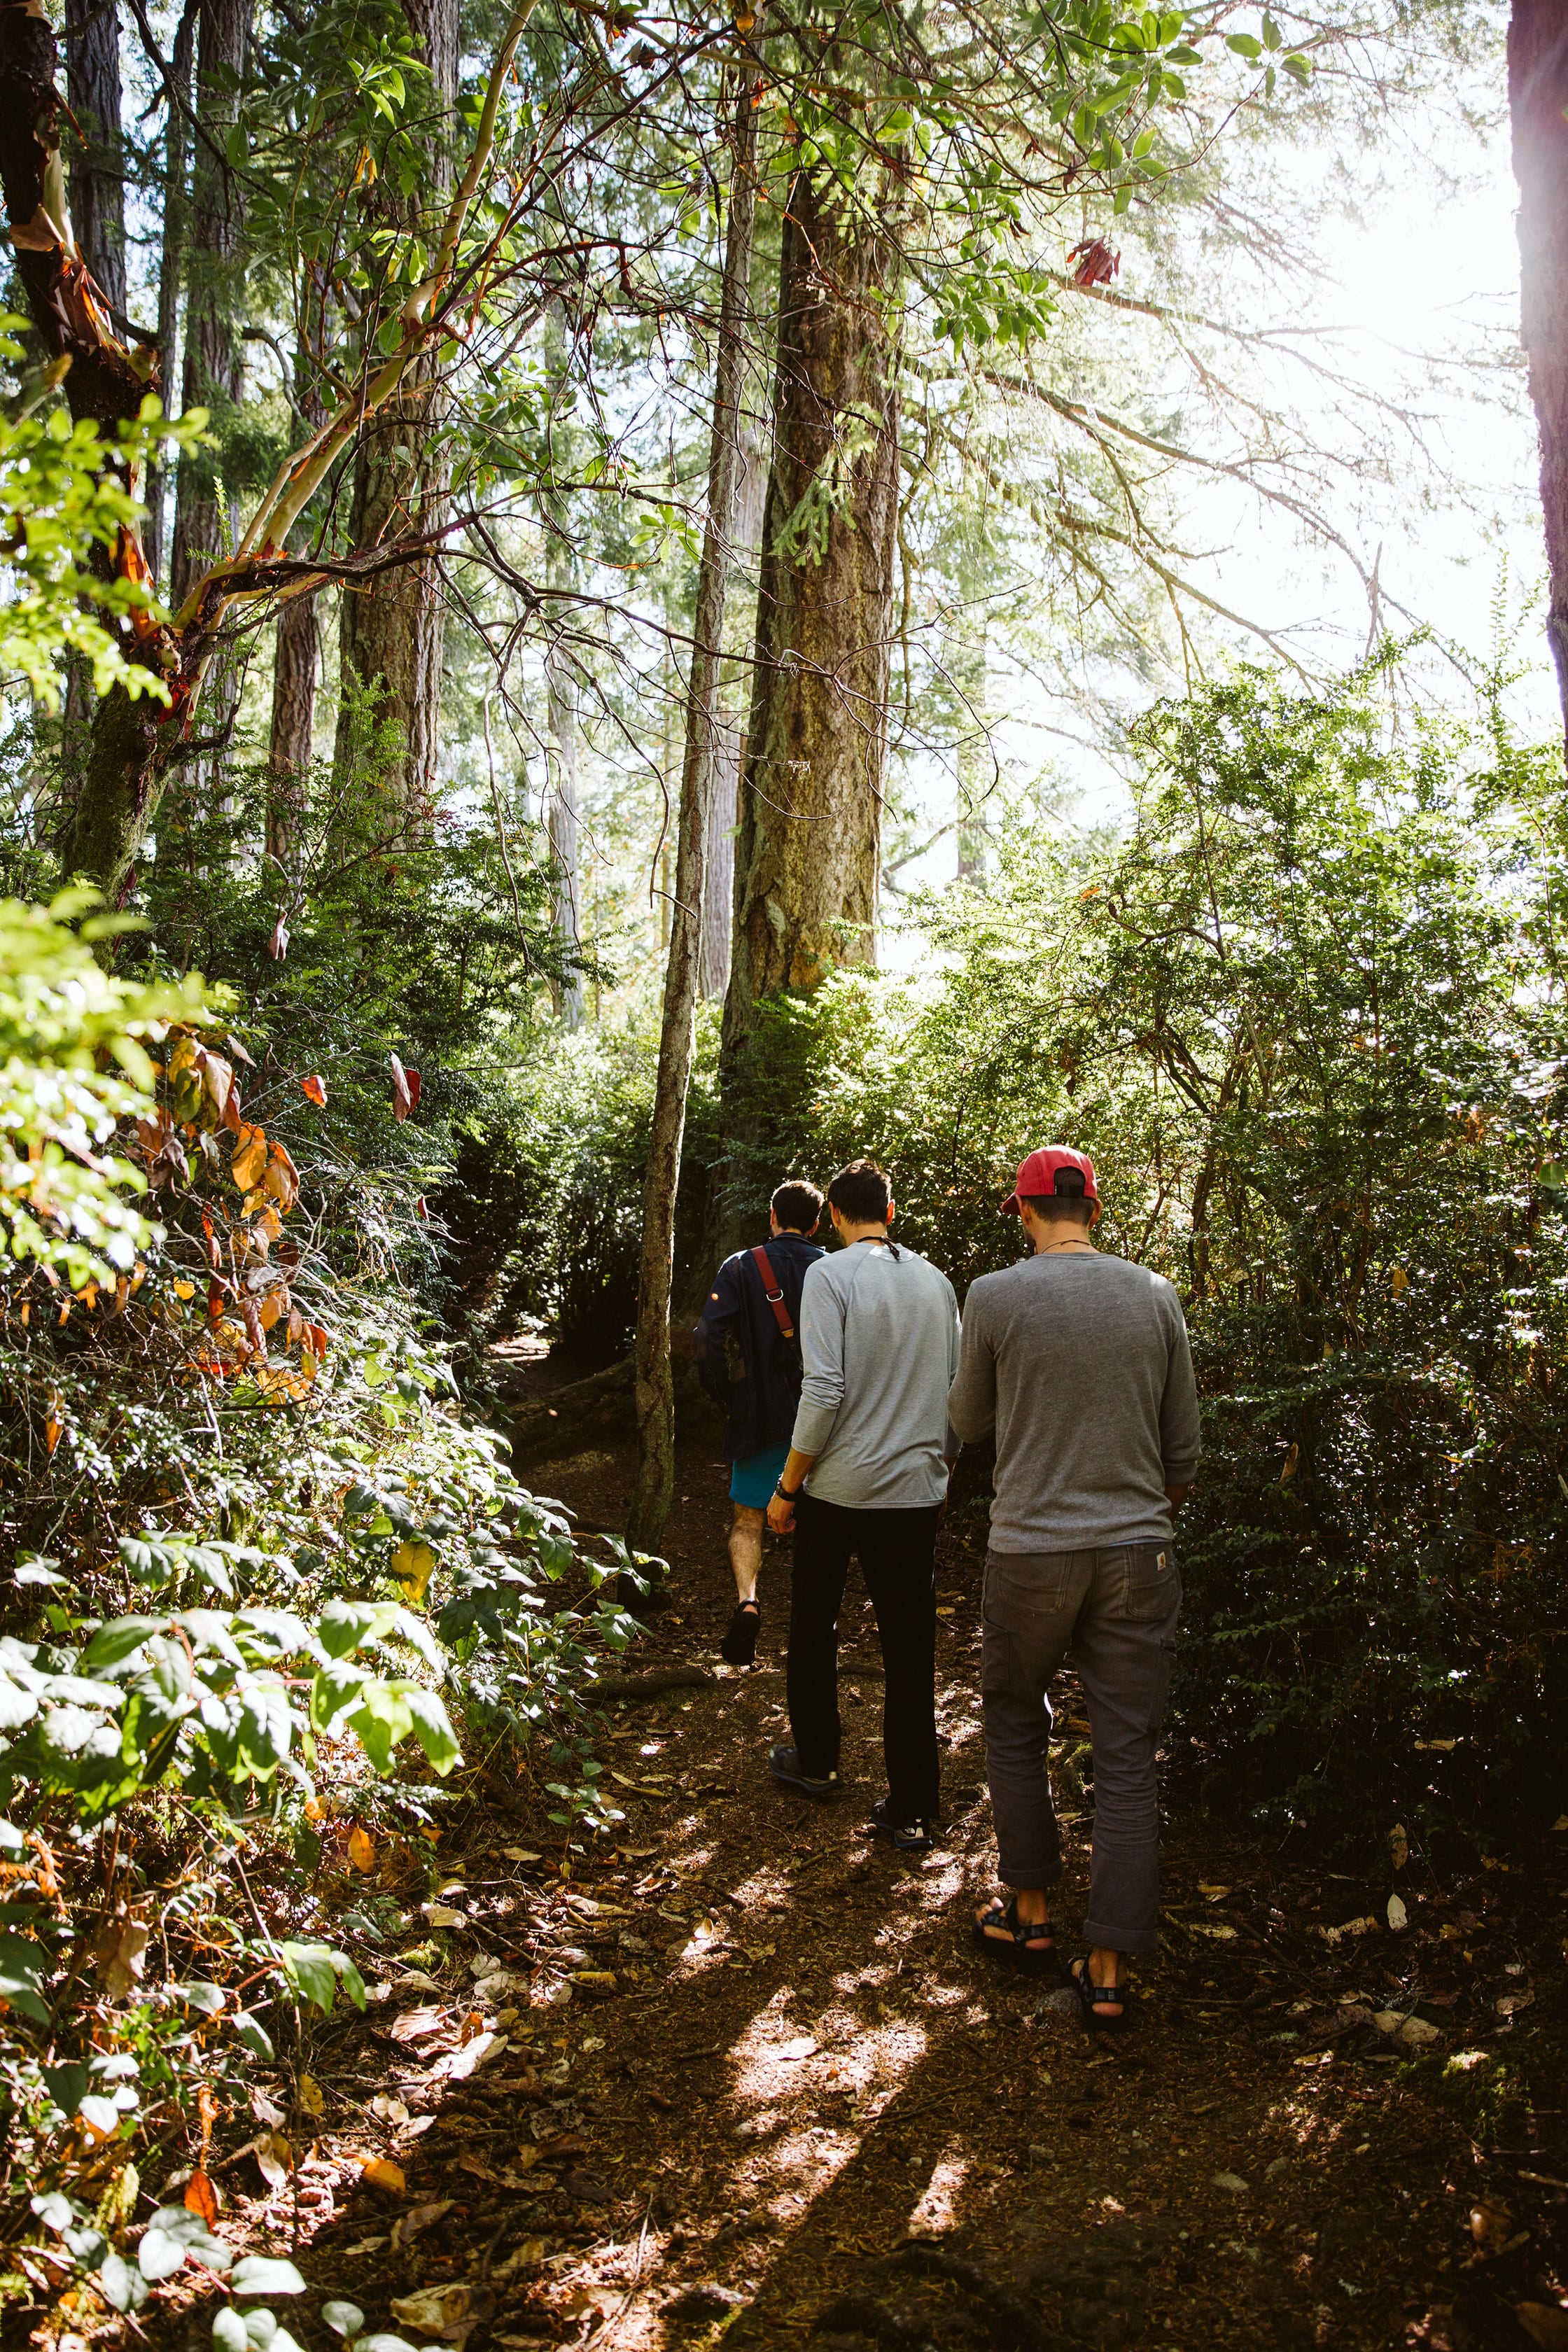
[(897, 1554)]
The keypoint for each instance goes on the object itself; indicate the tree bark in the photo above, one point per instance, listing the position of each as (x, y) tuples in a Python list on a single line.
[(561, 827), (1538, 95), (806, 853), (392, 635), (724, 801), (171, 256), (98, 168), (291, 748), (214, 355), (652, 1383)]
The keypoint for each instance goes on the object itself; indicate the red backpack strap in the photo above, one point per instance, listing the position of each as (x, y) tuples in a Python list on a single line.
[(772, 1292)]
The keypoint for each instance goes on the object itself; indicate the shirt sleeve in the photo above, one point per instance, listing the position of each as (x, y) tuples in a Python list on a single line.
[(971, 1400), (720, 1316), (1180, 1439), (822, 1355)]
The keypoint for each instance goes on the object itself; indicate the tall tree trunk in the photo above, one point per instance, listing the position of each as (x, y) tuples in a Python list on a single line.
[(1538, 97), (214, 377), (215, 354), (724, 801), (976, 761), (98, 168), (290, 752), (653, 1385), (171, 256), (808, 849), (561, 827), (391, 632)]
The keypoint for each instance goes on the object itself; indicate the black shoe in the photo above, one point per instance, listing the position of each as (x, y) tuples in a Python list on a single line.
[(739, 1647), (909, 1837), (784, 1763)]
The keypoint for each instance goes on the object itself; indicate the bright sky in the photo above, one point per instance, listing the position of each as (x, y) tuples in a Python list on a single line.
[(1427, 277)]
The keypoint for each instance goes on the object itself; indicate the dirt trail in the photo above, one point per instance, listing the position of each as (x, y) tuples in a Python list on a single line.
[(758, 2084)]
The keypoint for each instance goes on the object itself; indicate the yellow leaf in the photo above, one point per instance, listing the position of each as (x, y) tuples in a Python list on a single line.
[(362, 1848), (185, 1289), (309, 2093), (382, 2173), (250, 1158), (1399, 1282), (202, 2197), (414, 1563)]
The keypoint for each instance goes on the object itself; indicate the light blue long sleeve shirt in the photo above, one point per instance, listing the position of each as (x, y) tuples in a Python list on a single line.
[(880, 1342)]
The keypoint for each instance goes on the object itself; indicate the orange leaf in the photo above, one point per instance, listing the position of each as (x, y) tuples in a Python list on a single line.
[(202, 2197), (314, 1088), (362, 1848), (320, 1342), (381, 2174), (250, 1157), (53, 1427)]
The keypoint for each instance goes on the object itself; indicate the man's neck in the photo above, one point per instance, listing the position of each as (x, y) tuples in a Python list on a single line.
[(850, 1234), (1048, 1241)]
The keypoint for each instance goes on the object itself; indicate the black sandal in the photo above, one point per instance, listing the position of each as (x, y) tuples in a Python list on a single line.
[(1021, 1934), (739, 1647), (1088, 1992)]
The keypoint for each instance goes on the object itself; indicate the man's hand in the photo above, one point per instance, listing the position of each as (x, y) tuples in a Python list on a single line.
[(781, 1514)]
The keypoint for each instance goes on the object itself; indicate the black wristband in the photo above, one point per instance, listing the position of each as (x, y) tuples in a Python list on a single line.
[(783, 1494)]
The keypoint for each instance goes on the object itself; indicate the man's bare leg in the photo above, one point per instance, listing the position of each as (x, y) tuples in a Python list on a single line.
[(739, 1647), (746, 1551)]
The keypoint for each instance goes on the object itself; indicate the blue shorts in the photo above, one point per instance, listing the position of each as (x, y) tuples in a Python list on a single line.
[(753, 1477)]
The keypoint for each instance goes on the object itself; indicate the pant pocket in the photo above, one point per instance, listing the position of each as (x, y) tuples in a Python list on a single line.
[(1023, 1591), (1151, 1584)]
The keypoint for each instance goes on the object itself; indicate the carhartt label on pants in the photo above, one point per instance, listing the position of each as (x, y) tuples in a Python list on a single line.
[(1160, 1562)]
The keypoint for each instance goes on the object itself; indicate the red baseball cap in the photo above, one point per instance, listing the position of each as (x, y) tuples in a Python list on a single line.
[(1039, 1174)]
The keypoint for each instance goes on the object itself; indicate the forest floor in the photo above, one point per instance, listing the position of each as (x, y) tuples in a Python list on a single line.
[(741, 2074)]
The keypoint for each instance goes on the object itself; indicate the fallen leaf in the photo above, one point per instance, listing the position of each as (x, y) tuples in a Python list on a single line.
[(525, 2257), (407, 2226), (521, 1854), (563, 2144), (469, 2058), (414, 2024), (1398, 1847), (1398, 1917), (1491, 2225), (382, 2174), (392, 2110), (1546, 2321), (201, 2198), (275, 2160), (802, 2046), (365, 2246), (362, 1848), (1231, 2181), (759, 1951), (1215, 1893), (1219, 1934), (309, 2092), (441, 1914), (434, 2310), (1509, 2004)]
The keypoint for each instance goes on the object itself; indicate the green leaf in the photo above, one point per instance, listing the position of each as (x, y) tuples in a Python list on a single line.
[(310, 1970), (255, 2274), (342, 2318), (433, 1729), (254, 2035), (229, 2331), (23, 1965)]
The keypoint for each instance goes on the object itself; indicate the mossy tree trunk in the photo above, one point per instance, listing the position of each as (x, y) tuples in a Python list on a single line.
[(1538, 106)]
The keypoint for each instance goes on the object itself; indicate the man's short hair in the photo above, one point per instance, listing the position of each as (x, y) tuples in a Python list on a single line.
[(1066, 1205), (797, 1206), (861, 1194)]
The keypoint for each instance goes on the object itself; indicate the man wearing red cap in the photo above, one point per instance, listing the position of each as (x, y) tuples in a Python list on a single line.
[(1079, 1363)]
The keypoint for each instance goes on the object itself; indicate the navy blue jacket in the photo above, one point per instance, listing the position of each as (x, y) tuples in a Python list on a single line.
[(745, 1363)]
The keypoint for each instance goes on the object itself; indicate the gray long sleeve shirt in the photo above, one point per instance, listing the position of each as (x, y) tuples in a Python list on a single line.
[(879, 1339), (1082, 1365)]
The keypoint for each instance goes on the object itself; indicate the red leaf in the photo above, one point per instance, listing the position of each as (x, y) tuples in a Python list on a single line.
[(413, 1078), (404, 1096), (314, 1088)]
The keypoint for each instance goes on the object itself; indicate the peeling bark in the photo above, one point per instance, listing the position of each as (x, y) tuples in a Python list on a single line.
[(214, 355), (295, 663)]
